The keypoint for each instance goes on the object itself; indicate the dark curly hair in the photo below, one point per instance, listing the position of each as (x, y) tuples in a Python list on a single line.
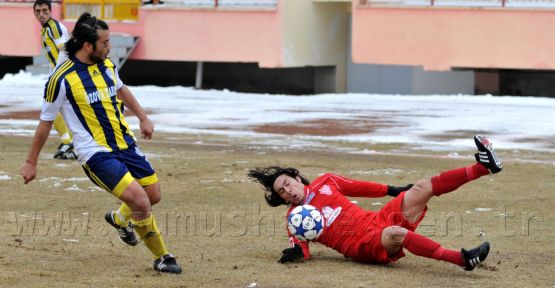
[(85, 30), (43, 2), (267, 176)]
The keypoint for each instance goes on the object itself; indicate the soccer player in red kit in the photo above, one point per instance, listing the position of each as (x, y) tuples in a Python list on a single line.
[(368, 236)]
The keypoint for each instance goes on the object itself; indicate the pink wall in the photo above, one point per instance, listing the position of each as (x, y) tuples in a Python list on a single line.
[(20, 31), (436, 38), (440, 38), (212, 35), (168, 34)]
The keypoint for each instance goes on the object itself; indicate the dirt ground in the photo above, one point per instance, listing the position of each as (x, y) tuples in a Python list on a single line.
[(224, 235)]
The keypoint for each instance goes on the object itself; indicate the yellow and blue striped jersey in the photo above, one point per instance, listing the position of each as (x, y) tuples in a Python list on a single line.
[(86, 95), (53, 35)]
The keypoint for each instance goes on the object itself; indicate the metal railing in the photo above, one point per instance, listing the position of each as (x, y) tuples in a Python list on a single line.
[(540, 4), (23, 1), (105, 9), (222, 3), (129, 9)]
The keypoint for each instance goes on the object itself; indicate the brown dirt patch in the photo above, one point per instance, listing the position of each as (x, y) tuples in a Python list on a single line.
[(34, 114), (547, 141), (21, 115), (325, 127), (216, 222)]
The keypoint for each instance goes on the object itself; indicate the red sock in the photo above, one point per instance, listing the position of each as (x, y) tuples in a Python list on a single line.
[(450, 180), (426, 247)]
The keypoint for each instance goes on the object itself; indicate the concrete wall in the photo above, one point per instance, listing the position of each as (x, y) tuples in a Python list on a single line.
[(210, 35), (407, 80), (442, 82), (441, 38), (316, 34), (297, 33), (404, 79), (20, 32), (175, 34)]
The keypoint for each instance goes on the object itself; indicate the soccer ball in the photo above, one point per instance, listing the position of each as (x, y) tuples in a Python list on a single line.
[(305, 222)]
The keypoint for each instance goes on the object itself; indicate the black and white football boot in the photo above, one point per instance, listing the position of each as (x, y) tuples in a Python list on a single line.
[(167, 264), (65, 152), (486, 155), (125, 233), (475, 256)]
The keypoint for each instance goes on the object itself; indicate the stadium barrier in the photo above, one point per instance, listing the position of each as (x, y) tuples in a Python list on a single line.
[(119, 10), (223, 3), (539, 4)]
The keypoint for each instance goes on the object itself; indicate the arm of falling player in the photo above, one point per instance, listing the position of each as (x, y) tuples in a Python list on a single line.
[(358, 188)]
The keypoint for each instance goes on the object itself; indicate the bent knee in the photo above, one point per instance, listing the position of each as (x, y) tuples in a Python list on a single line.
[(421, 188), (422, 185), (155, 198), (393, 235), (153, 192)]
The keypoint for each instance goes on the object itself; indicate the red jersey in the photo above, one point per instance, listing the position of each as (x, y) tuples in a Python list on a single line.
[(344, 221)]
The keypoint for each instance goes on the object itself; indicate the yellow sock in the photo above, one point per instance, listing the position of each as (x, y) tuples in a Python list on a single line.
[(61, 128), (123, 215), (149, 232)]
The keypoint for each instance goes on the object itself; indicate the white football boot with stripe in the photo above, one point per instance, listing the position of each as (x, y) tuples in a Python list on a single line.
[(486, 155), (475, 256)]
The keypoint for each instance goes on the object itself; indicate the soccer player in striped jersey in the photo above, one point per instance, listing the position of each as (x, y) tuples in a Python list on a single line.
[(53, 37), (368, 236), (86, 88)]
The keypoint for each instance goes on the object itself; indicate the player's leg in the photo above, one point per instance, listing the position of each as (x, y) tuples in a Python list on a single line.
[(110, 174), (135, 197), (147, 228), (395, 238), (65, 149), (153, 193), (487, 162), (417, 197), (123, 215), (145, 225), (61, 128), (144, 174)]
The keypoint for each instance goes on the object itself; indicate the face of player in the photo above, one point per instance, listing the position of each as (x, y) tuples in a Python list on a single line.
[(290, 189), (42, 13), (102, 49)]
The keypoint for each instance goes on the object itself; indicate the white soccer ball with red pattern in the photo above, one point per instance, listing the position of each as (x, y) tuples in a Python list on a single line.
[(305, 222)]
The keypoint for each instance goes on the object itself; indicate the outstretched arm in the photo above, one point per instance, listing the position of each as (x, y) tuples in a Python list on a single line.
[(29, 169), (129, 100), (357, 188)]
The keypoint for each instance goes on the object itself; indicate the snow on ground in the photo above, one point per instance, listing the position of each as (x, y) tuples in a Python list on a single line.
[(513, 122)]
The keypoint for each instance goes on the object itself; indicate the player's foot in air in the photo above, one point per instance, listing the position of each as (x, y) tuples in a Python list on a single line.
[(475, 256), (65, 152), (167, 264), (125, 233), (486, 155)]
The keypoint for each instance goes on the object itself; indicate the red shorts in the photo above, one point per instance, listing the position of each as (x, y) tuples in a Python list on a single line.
[(369, 248)]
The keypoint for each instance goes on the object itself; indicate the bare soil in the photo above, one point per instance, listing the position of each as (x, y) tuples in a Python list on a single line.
[(224, 235)]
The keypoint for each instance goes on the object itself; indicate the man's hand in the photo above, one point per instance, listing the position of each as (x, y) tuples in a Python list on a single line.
[(147, 128), (28, 171), (396, 190), (291, 254)]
